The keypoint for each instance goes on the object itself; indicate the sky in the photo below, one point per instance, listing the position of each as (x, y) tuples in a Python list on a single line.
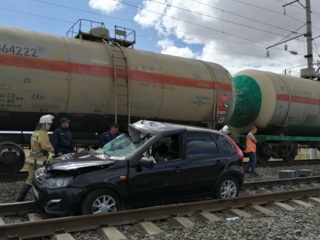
[(233, 33)]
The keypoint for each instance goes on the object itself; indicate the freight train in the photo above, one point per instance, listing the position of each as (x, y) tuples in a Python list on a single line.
[(95, 79), (285, 110)]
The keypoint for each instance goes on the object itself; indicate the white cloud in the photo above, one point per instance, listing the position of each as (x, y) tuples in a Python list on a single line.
[(148, 17), (169, 48), (105, 6), (232, 33)]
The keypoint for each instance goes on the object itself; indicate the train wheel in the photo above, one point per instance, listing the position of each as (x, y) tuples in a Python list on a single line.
[(11, 158), (264, 152), (291, 155), (289, 158)]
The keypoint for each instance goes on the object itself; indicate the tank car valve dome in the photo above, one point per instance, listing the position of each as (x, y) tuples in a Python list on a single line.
[(46, 119), (100, 32)]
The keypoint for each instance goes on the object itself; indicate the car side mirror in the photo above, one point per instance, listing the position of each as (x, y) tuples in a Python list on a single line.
[(146, 162)]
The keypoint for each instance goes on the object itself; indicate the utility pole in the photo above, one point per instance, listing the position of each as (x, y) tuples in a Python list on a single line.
[(310, 70)]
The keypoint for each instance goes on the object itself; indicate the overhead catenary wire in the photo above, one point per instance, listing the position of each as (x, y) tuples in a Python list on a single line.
[(217, 18), (266, 9), (231, 35), (189, 22), (131, 5), (169, 5), (242, 16)]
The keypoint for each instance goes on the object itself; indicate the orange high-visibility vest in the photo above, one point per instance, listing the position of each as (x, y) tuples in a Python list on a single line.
[(250, 145)]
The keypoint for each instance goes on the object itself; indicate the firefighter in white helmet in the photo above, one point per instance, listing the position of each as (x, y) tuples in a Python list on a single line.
[(39, 152)]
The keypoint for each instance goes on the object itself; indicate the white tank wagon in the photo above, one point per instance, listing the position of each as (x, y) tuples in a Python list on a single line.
[(285, 110), (95, 80)]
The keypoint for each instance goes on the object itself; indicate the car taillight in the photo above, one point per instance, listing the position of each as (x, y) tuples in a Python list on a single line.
[(240, 153)]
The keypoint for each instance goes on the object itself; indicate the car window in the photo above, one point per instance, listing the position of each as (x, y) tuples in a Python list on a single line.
[(200, 146), (166, 149), (225, 147), (123, 146)]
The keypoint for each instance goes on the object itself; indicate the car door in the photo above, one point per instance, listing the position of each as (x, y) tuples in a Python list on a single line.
[(162, 183), (204, 163)]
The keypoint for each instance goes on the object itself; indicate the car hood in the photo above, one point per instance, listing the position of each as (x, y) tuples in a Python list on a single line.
[(78, 160)]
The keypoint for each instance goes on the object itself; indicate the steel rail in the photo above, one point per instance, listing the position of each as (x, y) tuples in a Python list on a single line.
[(19, 207), (32, 206), (21, 176), (86, 222), (281, 163), (286, 181)]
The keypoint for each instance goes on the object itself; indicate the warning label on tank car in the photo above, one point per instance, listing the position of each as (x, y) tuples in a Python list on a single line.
[(201, 100), (148, 69), (221, 120), (222, 112), (10, 100), (156, 85)]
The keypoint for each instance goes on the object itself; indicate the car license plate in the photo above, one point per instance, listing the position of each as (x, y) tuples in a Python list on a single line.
[(36, 194)]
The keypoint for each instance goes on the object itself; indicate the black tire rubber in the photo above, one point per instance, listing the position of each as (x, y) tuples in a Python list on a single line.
[(227, 187), (101, 201)]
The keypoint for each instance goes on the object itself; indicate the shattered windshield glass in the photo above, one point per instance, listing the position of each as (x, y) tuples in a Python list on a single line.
[(125, 145)]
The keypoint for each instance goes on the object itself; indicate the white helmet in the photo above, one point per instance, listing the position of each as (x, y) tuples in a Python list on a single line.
[(46, 119)]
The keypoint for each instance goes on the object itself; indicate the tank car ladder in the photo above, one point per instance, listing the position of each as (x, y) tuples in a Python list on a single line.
[(121, 81)]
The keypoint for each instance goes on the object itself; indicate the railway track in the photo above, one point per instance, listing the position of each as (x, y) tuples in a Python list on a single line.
[(21, 176), (278, 182), (280, 163), (31, 206), (146, 219)]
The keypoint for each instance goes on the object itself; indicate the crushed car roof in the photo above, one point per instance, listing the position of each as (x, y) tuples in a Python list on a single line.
[(160, 127)]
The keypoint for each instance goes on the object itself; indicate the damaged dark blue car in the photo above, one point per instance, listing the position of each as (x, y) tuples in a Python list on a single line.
[(155, 163)]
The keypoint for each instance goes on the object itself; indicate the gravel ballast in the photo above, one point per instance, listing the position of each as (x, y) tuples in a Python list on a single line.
[(300, 224)]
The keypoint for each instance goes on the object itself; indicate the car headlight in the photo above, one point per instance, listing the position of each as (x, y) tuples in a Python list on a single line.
[(57, 182)]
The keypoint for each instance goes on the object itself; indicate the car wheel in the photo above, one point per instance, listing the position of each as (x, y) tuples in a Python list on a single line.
[(227, 187), (101, 201)]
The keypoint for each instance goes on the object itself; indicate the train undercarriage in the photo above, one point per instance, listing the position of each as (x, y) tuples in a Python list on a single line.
[(281, 147), (286, 151), (12, 147)]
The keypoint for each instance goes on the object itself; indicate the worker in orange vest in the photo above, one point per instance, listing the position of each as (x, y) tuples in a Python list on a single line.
[(251, 150)]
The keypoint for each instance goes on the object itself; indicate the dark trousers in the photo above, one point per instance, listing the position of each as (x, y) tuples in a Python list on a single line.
[(252, 163)]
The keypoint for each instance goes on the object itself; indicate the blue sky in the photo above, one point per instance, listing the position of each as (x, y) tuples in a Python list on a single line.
[(57, 16), (233, 33)]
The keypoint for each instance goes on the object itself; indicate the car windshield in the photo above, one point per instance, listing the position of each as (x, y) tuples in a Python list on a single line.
[(126, 144)]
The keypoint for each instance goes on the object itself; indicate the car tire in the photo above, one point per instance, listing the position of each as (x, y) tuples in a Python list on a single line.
[(101, 201), (227, 187)]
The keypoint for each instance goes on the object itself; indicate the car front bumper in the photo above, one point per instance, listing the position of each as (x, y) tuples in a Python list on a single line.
[(61, 201)]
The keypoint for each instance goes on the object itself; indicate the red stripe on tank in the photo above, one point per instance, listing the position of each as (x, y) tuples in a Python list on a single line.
[(52, 65), (179, 81), (283, 97), (305, 100), (298, 99), (78, 68)]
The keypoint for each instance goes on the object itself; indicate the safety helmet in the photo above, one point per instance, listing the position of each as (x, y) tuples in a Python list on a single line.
[(46, 119)]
